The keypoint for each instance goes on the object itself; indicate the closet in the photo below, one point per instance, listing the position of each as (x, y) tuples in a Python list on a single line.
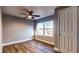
[(67, 38)]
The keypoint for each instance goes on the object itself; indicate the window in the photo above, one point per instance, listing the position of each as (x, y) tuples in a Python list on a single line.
[(45, 28), (48, 28), (40, 28)]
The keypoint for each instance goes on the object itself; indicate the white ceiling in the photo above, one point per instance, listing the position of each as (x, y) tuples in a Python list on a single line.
[(43, 11)]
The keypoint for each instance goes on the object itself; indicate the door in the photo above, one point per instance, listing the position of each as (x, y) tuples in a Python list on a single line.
[(66, 21), (70, 29), (62, 31)]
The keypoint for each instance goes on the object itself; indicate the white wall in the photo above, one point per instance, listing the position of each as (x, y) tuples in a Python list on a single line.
[(0, 30), (16, 29)]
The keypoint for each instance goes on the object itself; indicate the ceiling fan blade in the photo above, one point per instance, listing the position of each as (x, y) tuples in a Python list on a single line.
[(23, 13), (36, 15), (25, 17), (33, 18)]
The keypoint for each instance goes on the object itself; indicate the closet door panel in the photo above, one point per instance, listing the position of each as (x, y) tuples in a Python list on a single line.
[(70, 30), (66, 30), (72, 12), (62, 33), (74, 16)]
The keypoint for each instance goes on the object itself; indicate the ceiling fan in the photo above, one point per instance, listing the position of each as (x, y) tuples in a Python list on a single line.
[(28, 14)]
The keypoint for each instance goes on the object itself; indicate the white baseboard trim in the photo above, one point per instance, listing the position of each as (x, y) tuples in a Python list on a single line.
[(56, 49), (44, 41), (16, 42)]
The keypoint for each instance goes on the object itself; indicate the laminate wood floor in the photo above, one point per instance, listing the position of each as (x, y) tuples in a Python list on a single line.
[(32, 46)]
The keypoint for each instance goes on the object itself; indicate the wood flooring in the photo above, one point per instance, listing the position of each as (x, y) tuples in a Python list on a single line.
[(32, 46)]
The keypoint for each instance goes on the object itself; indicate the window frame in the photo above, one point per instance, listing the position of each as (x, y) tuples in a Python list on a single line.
[(46, 28)]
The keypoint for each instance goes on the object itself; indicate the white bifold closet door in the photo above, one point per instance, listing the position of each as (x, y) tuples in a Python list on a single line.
[(66, 21)]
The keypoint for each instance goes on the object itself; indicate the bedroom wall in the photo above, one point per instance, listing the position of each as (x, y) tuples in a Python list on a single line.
[(16, 29), (0, 30), (45, 38)]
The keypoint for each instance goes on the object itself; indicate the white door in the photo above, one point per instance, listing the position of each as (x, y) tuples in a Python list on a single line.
[(62, 31), (70, 30), (66, 21)]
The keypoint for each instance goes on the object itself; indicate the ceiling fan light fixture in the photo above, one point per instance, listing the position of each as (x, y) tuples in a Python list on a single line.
[(29, 17)]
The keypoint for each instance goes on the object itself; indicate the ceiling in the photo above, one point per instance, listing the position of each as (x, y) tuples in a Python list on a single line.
[(43, 11)]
